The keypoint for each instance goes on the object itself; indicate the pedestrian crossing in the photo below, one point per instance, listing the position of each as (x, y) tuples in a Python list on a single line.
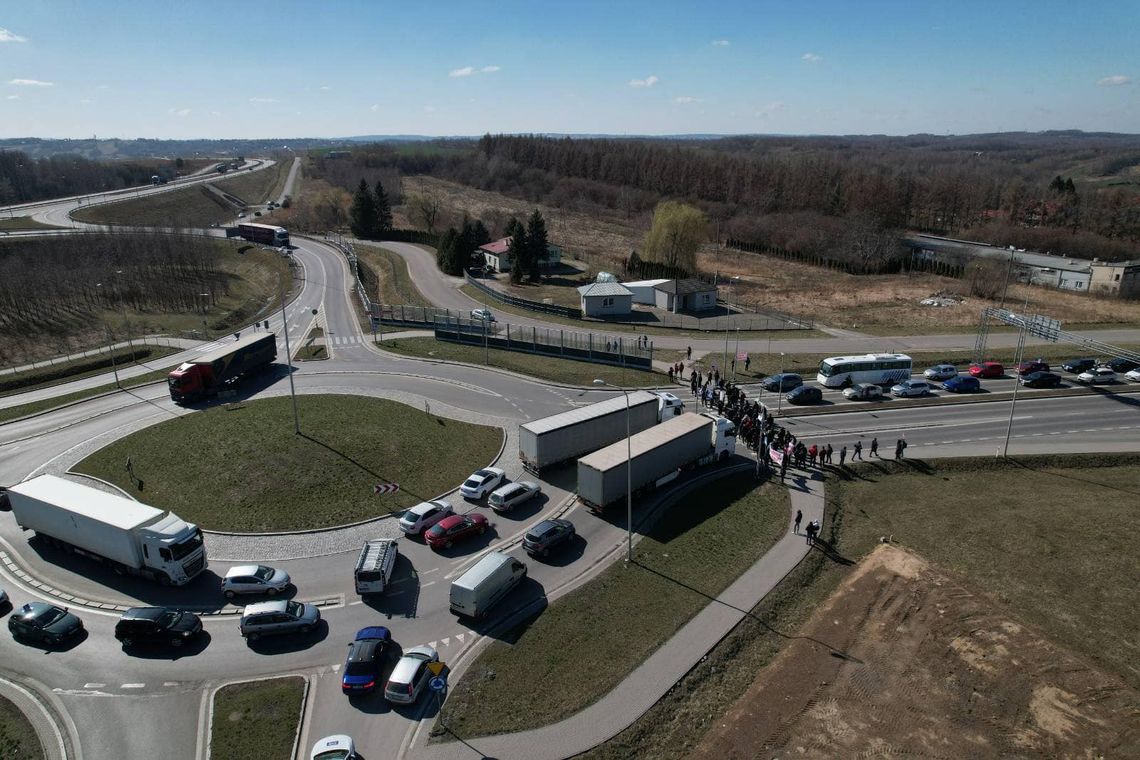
[(350, 340)]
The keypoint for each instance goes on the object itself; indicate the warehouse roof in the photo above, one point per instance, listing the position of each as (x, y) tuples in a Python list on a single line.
[(605, 289)]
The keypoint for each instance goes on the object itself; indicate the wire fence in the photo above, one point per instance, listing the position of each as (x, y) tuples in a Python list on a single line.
[(524, 303), (619, 350)]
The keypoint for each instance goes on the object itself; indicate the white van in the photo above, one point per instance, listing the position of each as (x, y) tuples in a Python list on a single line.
[(492, 578), (374, 565)]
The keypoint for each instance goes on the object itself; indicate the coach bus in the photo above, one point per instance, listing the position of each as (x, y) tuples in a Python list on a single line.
[(878, 369), (266, 234)]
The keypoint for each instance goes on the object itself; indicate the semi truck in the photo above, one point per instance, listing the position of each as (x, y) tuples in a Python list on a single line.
[(266, 234), (223, 367), (131, 537), (566, 436), (655, 455)]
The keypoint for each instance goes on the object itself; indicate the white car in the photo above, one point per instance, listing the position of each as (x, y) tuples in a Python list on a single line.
[(941, 372), (511, 495), (338, 747), (424, 515), (912, 388), (410, 675), (863, 392), (482, 482), (483, 314), (1133, 375), (254, 579), (1097, 375)]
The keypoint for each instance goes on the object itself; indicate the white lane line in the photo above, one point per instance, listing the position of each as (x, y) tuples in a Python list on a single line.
[(94, 685), (353, 604), (133, 686), (433, 570), (429, 583), (171, 683)]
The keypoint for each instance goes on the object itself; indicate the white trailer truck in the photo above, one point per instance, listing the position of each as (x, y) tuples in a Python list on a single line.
[(654, 455), (562, 437), (130, 537)]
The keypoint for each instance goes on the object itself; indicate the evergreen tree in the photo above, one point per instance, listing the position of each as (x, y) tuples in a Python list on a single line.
[(1070, 188), (362, 216), (517, 250), (383, 209), (465, 248), (633, 264), (482, 235), (536, 244), (445, 254)]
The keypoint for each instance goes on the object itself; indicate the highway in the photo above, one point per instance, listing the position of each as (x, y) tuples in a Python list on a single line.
[(163, 697)]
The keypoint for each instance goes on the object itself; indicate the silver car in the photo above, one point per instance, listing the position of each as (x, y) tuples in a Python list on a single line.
[(511, 495), (410, 675), (909, 388), (254, 579), (269, 618), (941, 372)]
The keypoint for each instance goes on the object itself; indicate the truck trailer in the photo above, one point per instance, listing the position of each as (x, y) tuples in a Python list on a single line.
[(562, 437), (214, 370), (266, 234), (130, 537), (656, 454)]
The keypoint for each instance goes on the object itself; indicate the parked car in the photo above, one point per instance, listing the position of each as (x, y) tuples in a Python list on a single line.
[(1134, 375), (266, 618), (364, 660), (908, 388), (783, 381), (3, 598), (424, 515), (962, 384), (483, 314), (507, 497), (547, 535), (804, 394), (410, 675), (455, 528), (987, 369), (940, 372), (254, 579), (1121, 365), (1077, 366), (481, 482), (1041, 380), (1029, 367), (863, 392), (157, 625), (45, 623), (338, 747), (1097, 376)]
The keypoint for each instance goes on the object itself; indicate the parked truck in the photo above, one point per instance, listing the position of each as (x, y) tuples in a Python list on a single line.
[(566, 436), (130, 537), (266, 234), (225, 366), (656, 455)]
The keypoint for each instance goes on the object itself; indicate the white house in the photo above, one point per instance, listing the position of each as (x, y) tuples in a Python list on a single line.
[(685, 295), (497, 255), (600, 299), (643, 290)]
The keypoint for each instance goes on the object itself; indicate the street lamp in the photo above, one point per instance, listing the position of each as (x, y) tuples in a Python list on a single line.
[(289, 358), (205, 311), (780, 386), (628, 475)]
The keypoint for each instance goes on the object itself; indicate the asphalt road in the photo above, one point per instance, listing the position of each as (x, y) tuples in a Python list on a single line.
[(104, 689)]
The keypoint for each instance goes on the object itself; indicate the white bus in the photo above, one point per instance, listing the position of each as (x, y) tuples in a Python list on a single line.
[(878, 369)]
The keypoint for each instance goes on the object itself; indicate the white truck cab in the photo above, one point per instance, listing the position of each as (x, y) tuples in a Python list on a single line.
[(668, 406)]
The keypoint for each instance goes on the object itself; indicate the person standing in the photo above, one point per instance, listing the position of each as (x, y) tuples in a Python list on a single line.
[(874, 447), (830, 454), (843, 455), (899, 446), (857, 453), (784, 466), (689, 352), (799, 519), (747, 361)]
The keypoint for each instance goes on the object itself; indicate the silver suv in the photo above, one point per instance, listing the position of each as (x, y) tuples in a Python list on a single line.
[(268, 618), (410, 675)]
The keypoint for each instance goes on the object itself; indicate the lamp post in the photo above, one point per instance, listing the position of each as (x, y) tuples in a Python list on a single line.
[(205, 310), (780, 387), (628, 476), (289, 359)]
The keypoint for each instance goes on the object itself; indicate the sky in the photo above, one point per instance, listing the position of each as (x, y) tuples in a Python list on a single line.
[(332, 68)]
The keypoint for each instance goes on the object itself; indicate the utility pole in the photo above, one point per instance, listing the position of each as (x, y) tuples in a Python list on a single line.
[(289, 359)]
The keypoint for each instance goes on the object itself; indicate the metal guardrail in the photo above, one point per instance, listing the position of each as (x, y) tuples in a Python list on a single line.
[(524, 303), (566, 344)]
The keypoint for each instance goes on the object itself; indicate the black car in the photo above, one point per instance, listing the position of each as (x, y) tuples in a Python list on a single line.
[(365, 658), (1077, 366), (156, 625), (784, 381), (804, 394), (1121, 365), (46, 623), (1041, 380), (547, 535)]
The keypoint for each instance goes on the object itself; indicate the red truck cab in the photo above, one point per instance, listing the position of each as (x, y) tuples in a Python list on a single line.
[(190, 381)]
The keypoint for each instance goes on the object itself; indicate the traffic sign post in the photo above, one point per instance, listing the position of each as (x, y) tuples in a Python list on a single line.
[(437, 683), (436, 667), (381, 488)]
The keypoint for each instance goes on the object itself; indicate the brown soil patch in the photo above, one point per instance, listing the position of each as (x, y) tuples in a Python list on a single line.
[(903, 660)]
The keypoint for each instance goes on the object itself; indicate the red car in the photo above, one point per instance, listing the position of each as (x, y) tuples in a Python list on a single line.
[(987, 369), (454, 528), (1028, 368)]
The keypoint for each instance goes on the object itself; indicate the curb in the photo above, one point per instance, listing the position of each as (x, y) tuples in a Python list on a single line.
[(64, 745), (212, 693)]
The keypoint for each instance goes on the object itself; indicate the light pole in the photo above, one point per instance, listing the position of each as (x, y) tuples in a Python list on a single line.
[(1016, 382), (628, 476), (780, 386), (205, 311), (289, 359)]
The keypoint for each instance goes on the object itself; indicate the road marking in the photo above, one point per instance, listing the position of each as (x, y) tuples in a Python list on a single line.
[(133, 686), (94, 685), (459, 637), (432, 644), (433, 570), (171, 683), (429, 583), (353, 604)]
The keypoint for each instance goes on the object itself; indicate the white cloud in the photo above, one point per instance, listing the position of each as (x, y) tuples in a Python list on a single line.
[(103, 87), (30, 83), (811, 57), (682, 99), (263, 100), (429, 109), (649, 81), (6, 36), (770, 109), (13, 97), (466, 71), (374, 108), (721, 43), (490, 69), (325, 88), (178, 111), (1114, 81)]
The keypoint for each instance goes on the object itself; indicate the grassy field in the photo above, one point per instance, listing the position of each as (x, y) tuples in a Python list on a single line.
[(23, 223), (257, 187), (586, 642), (565, 371), (236, 480), (68, 370), (18, 739), (1052, 561), (311, 351), (396, 287), (257, 719)]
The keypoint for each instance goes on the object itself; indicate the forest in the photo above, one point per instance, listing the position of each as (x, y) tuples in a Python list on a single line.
[(24, 179)]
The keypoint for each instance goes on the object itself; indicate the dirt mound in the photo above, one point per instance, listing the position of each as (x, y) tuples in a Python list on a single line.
[(902, 660)]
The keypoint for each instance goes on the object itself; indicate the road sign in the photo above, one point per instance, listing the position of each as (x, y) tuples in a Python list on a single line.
[(439, 683), (436, 667), (385, 488)]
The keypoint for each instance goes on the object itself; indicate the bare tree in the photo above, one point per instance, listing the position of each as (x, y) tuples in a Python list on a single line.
[(424, 209)]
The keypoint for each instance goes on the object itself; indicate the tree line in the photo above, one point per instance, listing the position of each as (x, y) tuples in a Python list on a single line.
[(24, 179)]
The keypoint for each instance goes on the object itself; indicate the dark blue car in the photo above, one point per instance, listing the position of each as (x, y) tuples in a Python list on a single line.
[(962, 384), (784, 381), (365, 657)]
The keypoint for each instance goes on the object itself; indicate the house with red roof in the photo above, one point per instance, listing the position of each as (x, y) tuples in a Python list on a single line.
[(497, 255)]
